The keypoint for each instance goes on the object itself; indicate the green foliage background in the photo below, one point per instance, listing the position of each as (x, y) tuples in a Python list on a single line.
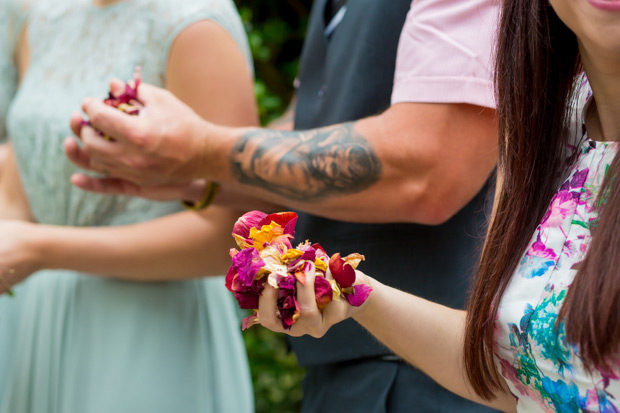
[(275, 31)]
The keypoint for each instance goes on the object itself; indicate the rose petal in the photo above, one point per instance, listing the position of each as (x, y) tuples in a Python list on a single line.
[(246, 221), (289, 311), (342, 272), (269, 234), (291, 255), (306, 269), (322, 292), (354, 259), (248, 263), (249, 321), (230, 275), (246, 301), (361, 293), (309, 253), (286, 283), (286, 220)]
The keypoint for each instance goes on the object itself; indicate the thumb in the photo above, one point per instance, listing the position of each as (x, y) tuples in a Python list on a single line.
[(117, 87), (147, 93)]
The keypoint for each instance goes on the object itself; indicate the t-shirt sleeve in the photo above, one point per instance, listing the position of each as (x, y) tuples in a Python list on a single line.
[(445, 53)]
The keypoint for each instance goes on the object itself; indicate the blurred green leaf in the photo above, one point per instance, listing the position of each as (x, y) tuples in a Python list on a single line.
[(275, 30)]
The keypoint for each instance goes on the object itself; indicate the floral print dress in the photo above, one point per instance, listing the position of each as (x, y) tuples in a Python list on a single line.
[(542, 370)]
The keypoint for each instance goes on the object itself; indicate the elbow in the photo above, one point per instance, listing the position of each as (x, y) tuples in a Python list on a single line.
[(437, 213), (430, 204)]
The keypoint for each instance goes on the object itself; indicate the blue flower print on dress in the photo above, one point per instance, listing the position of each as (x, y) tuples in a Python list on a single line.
[(537, 260), (565, 397)]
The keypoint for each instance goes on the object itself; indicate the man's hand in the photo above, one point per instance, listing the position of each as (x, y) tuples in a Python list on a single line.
[(164, 145)]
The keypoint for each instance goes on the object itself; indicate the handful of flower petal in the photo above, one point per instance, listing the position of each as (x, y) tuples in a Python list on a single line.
[(125, 102), (266, 255)]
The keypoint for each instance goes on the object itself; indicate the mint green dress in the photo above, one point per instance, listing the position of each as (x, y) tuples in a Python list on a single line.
[(12, 15), (79, 343)]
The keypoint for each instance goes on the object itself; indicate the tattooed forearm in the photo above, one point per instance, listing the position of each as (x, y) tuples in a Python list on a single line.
[(306, 165)]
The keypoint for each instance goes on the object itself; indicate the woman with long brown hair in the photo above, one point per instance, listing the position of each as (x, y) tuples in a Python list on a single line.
[(542, 329)]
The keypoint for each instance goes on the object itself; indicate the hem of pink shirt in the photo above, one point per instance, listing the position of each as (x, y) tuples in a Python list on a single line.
[(445, 90)]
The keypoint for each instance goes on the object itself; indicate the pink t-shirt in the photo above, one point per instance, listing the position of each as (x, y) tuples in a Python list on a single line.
[(445, 53)]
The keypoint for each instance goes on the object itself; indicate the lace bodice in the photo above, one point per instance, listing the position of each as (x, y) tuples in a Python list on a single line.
[(76, 48)]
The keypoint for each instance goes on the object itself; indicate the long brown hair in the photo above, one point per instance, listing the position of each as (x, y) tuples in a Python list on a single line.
[(537, 67)]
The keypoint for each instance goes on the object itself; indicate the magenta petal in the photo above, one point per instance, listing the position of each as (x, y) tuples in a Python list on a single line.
[(286, 283), (249, 321), (246, 221), (289, 311), (246, 301), (309, 253), (359, 296), (322, 292), (342, 272), (230, 275), (248, 263)]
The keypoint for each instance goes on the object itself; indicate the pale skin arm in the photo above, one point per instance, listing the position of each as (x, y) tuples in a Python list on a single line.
[(13, 201), (426, 334), (183, 245), (416, 162)]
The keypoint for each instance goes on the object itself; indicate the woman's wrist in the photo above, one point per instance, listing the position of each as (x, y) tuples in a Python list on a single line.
[(40, 241), (367, 309), (32, 243)]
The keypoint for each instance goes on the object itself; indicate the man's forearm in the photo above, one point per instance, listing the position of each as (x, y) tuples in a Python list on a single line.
[(416, 163)]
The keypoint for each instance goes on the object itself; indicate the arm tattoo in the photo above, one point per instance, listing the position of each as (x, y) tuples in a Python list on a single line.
[(306, 165)]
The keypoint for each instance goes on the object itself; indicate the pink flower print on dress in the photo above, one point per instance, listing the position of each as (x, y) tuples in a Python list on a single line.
[(537, 260), (562, 205)]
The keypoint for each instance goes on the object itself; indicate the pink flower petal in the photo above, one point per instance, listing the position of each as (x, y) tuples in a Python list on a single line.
[(322, 292), (246, 301), (359, 296), (246, 221), (248, 263), (230, 275), (309, 252), (249, 321), (289, 311)]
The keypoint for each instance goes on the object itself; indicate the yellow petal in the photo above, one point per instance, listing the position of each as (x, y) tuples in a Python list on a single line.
[(291, 255), (354, 259), (320, 264), (266, 234), (241, 242), (335, 290)]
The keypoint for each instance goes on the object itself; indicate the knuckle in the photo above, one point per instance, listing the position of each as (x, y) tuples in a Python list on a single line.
[(138, 137), (136, 162), (316, 333), (94, 115)]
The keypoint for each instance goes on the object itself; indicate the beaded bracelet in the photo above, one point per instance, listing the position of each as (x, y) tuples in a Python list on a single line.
[(206, 200)]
